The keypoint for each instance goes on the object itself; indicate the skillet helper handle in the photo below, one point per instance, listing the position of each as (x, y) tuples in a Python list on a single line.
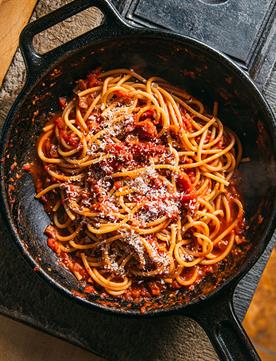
[(217, 317), (111, 24)]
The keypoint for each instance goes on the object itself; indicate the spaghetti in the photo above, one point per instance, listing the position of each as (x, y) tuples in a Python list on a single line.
[(138, 180)]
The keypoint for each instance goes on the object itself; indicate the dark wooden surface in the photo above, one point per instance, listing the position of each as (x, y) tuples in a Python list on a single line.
[(26, 297)]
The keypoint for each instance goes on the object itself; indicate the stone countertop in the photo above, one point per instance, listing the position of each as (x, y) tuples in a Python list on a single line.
[(22, 343)]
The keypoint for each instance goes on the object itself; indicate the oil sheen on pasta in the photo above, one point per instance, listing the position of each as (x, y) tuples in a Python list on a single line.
[(138, 180)]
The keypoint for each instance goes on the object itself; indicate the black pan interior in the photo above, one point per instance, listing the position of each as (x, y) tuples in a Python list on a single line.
[(197, 69)]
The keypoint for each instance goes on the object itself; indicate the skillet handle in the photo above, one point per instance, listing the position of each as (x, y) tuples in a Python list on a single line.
[(217, 317), (112, 24)]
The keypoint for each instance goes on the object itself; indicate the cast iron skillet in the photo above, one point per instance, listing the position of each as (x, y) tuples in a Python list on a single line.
[(208, 75)]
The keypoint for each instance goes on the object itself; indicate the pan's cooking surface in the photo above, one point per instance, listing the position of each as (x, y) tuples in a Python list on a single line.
[(213, 80)]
